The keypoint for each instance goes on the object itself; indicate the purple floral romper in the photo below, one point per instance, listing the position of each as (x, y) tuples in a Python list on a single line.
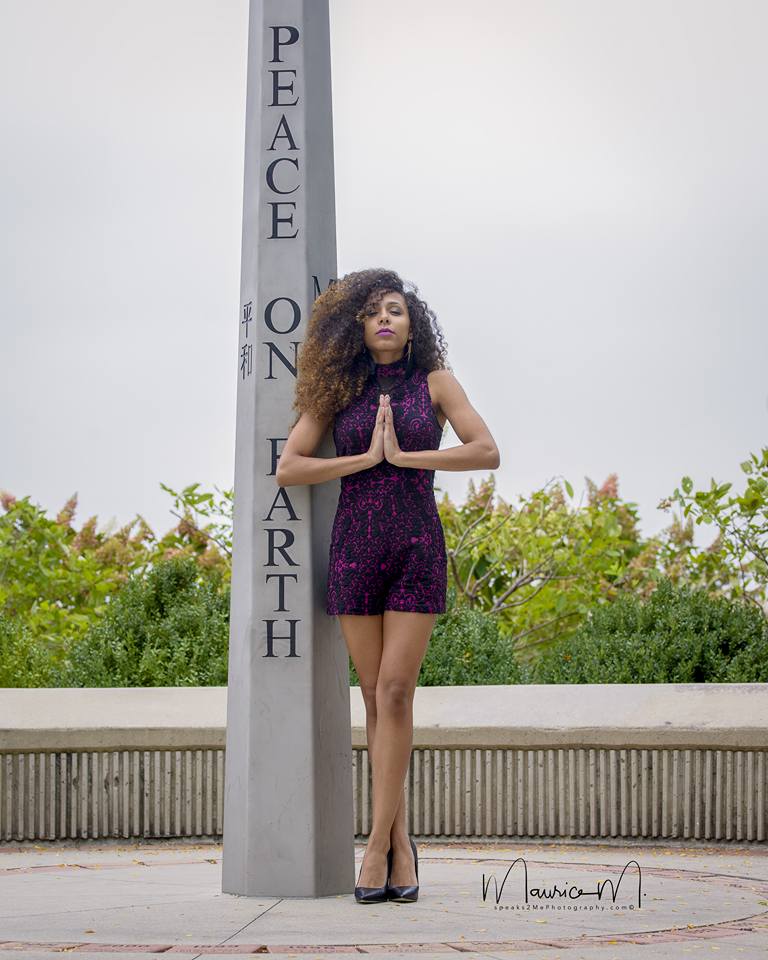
[(387, 546)]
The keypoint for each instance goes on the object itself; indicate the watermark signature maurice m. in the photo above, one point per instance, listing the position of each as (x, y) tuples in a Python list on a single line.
[(562, 896)]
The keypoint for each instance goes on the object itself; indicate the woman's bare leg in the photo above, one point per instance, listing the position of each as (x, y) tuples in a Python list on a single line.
[(364, 636), (404, 644)]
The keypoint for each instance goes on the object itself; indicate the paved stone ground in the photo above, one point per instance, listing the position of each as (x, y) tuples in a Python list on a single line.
[(124, 900)]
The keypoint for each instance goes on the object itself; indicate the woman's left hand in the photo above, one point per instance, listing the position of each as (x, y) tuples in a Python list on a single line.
[(392, 449)]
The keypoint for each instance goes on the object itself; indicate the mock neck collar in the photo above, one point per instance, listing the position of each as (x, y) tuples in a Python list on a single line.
[(394, 369)]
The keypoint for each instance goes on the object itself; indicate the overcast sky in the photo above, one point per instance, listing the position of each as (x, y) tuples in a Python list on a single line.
[(577, 189)]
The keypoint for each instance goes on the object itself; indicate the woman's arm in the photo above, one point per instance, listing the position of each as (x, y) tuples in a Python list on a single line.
[(478, 449), (297, 465)]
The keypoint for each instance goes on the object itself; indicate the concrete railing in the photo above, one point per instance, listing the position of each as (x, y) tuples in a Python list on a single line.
[(612, 760)]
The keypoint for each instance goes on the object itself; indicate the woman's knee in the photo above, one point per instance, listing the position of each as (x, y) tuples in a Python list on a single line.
[(394, 695), (369, 698)]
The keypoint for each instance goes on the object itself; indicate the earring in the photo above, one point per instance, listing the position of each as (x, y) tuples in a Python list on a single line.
[(410, 345)]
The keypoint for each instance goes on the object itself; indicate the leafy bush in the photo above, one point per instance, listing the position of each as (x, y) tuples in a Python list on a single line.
[(524, 581), (540, 566), (736, 562), (54, 580), (168, 628), (465, 648), (23, 662), (677, 635), (57, 581)]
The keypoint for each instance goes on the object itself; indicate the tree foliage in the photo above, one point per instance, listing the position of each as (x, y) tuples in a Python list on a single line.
[(109, 607), (680, 634)]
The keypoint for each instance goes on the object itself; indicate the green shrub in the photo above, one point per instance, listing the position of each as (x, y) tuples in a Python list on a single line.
[(677, 635), (23, 661), (465, 648), (169, 627), (58, 581)]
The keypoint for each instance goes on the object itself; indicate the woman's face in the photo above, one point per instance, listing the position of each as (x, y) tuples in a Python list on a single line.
[(387, 326)]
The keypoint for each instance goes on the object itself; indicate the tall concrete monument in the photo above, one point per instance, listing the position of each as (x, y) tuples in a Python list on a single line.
[(288, 784)]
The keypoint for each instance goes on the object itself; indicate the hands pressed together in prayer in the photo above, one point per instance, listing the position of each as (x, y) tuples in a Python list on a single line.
[(384, 443)]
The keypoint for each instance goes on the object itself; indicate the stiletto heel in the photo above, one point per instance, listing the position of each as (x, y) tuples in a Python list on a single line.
[(375, 894), (408, 893)]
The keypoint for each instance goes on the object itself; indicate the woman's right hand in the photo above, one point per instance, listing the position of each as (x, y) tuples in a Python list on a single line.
[(376, 449)]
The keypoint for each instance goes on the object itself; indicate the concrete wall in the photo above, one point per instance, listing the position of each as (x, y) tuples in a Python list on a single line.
[(615, 760)]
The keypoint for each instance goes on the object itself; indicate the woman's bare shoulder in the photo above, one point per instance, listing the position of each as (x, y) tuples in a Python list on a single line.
[(441, 382)]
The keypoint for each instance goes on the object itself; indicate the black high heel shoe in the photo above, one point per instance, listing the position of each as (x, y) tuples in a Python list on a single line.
[(408, 893), (376, 894)]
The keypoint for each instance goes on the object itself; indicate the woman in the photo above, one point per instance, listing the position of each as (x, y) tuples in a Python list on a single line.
[(373, 365)]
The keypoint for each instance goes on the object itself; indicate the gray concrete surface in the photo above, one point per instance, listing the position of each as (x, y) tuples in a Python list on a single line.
[(132, 899), (288, 668), (621, 715)]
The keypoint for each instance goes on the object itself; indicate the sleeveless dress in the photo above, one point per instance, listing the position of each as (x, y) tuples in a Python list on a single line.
[(387, 546)]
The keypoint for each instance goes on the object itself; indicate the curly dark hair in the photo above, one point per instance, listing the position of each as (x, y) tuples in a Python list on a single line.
[(334, 363)]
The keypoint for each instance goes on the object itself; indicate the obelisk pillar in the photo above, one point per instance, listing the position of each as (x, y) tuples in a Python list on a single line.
[(288, 825)]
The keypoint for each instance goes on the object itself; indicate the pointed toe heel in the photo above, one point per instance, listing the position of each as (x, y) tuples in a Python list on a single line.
[(375, 894), (408, 893)]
